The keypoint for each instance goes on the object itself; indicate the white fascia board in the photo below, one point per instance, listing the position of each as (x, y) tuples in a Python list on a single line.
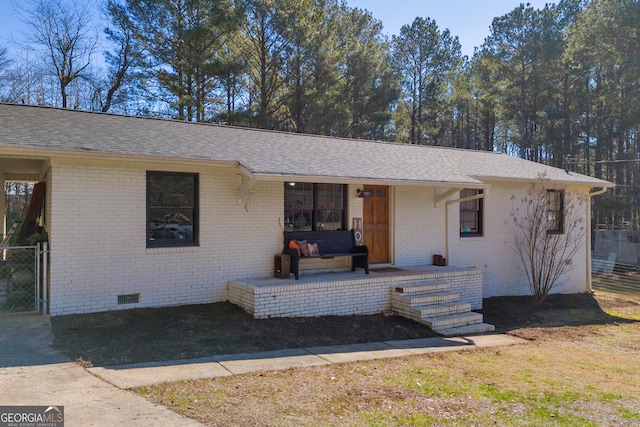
[(591, 182), (53, 153), (365, 181)]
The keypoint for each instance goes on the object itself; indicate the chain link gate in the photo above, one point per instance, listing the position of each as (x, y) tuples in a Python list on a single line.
[(23, 280)]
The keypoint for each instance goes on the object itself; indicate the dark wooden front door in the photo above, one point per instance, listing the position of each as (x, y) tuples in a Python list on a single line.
[(376, 223)]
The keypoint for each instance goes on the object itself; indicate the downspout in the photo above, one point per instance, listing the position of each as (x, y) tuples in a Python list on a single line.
[(3, 207), (485, 191), (588, 237)]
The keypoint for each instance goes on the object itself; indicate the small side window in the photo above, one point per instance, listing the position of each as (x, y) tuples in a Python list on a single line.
[(555, 211), (471, 213)]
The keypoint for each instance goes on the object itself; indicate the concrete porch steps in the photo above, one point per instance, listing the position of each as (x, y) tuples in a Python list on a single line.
[(419, 311), (410, 300), (438, 310), (429, 303), (421, 286), (447, 321), (476, 328)]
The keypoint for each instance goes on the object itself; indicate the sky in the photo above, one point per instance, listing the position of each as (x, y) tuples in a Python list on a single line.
[(468, 19)]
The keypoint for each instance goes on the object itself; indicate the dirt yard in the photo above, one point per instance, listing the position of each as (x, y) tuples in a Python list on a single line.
[(192, 331), (581, 367), (187, 332)]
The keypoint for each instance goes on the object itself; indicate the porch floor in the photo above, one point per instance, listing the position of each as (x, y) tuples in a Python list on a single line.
[(376, 274)]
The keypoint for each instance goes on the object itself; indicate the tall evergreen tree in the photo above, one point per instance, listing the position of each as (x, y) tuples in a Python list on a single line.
[(428, 60), (179, 43), (310, 66), (366, 85), (603, 51), (515, 48), (264, 51), (123, 57)]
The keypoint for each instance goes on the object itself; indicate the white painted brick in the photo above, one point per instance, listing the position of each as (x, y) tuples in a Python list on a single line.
[(97, 235), (419, 233), (364, 296), (96, 222)]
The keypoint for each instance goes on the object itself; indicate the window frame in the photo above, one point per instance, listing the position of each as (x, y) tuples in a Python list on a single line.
[(559, 213), (315, 205), (195, 212), (479, 232)]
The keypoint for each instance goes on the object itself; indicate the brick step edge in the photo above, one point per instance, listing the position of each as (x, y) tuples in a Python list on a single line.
[(443, 309), (433, 310), (420, 287), (452, 320), (476, 328), (413, 300)]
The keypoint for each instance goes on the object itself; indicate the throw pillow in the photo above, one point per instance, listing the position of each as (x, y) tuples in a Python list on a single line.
[(294, 245), (313, 249), (304, 249)]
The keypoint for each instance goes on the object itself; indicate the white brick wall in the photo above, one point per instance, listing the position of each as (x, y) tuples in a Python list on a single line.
[(355, 295), (311, 299), (96, 221), (468, 283), (98, 246), (419, 233), (495, 255), (419, 226)]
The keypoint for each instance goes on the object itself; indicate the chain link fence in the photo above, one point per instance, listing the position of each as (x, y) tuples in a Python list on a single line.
[(19, 280), (615, 265)]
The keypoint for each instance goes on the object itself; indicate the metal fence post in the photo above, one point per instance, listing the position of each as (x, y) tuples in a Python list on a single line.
[(37, 257), (45, 277)]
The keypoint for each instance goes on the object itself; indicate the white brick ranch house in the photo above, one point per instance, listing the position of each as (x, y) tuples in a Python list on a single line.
[(226, 194)]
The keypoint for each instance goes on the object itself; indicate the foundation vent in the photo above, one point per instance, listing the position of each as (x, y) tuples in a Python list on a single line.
[(128, 299)]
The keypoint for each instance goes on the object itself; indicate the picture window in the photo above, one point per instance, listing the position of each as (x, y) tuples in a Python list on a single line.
[(172, 209), (317, 207)]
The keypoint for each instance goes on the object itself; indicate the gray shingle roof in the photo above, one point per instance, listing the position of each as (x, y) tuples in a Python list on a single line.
[(263, 153)]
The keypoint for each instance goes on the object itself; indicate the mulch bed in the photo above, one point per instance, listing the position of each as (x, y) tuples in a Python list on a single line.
[(192, 331)]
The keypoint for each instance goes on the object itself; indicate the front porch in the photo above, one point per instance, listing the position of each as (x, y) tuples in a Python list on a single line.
[(354, 293)]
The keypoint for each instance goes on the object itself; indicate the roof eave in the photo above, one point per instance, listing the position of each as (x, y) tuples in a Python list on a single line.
[(364, 181), (592, 182), (56, 153)]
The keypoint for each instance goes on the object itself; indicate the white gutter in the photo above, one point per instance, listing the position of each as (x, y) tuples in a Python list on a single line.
[(446, 216), (358, 180), (588, 236), (598, 192)]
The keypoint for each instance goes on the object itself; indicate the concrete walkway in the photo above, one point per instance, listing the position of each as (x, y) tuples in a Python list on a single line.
[(143, 374), (33, 373)]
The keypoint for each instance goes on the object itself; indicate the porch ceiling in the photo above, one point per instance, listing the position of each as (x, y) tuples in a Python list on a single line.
[(16, 169)]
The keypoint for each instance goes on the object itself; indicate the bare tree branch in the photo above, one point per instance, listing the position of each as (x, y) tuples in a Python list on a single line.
[(543, 251), (62, 29)]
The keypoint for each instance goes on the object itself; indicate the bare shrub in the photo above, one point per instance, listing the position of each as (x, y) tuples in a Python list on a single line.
[(546, 242)]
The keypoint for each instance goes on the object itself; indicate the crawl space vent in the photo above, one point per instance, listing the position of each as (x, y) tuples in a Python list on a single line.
[(129, 299)]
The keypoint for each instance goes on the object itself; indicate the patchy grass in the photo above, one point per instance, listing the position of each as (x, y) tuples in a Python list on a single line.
[(580, 372)]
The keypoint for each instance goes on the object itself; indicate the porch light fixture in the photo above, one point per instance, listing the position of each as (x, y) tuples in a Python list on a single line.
[(362, 193)]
